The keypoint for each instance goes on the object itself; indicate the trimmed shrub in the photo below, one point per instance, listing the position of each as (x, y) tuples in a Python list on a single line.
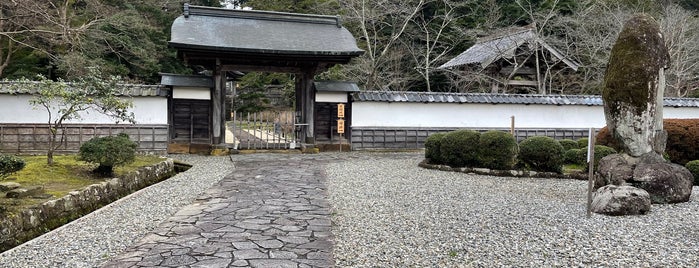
[(583, 142), (600, 152), (693, 167), (498, 150), (108, 152), (541, 154), (10, 164), (568, 144), (682, 139), (460, 148), (570, 156), (432, 145)]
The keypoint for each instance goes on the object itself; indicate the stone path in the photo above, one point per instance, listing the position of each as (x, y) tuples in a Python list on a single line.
[(272, 211)]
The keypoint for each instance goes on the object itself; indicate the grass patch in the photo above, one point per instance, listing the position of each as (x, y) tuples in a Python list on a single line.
[(571, 168), (66, 175)]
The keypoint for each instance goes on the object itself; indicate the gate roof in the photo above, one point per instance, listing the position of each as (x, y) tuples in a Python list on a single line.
[(260, 38)]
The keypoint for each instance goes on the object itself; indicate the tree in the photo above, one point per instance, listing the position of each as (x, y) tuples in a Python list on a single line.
[(681, 32), (65, 101), (435, 36)]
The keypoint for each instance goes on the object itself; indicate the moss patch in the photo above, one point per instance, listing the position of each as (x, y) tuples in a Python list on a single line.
[(67, 174), (632, 72)]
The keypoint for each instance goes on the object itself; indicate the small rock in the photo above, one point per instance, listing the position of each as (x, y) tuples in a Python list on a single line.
[(8, 186), (24, 192), (616, 200)]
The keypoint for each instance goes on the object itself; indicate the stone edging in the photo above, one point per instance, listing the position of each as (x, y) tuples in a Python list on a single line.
[(32, 222), (504, 173)]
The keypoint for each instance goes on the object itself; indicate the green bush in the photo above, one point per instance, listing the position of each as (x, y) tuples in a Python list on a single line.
[(693, 167), (600, 152), (570, 156), (582, 143), (460, 148), (568, 144), (432, 145), (10, 164), (541, 154), (108, 152), (498, 150)]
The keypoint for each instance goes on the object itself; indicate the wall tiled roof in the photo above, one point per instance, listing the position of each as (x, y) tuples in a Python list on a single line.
[(134, 90), (493, 98)]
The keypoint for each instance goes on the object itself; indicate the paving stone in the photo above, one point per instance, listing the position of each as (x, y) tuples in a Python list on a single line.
[(268, 244), (293, 239), (261, 215), (247, 254), (281, 254), (245, 245), (273, 264)]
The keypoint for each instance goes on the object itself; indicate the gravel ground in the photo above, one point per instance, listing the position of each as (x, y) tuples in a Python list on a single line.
[(90, 240), (391, 213)]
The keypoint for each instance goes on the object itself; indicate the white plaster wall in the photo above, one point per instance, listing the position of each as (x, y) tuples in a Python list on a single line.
[(195, 93), (397, 114), (16, 109), (331, 97)]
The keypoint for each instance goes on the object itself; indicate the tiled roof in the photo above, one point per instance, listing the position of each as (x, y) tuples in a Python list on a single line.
[(491, 98), (134, 90), (186, 80), (335, 86), (252, 31), (488, 50)]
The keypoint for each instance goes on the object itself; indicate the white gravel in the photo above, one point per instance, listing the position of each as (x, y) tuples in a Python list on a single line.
[(391, 213), (90, 240)]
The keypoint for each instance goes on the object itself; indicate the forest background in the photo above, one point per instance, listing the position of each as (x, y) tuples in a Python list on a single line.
[(405, 40)]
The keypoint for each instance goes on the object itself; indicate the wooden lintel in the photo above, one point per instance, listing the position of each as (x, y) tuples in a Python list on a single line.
[(253, 68)]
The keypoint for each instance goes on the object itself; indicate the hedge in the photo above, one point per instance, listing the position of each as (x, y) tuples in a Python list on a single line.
[(460, 148), (693, 167), (569, 144), (682, 139), (432, 145), (498, 150), (108, 152), (541, 153)]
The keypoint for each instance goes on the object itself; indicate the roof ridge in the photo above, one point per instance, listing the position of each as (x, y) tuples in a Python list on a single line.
[(505, 33), (261, 15)]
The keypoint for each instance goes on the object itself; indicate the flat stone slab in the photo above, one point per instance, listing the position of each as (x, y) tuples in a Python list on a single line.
[(265, 214), (7, 186), (25, 192)]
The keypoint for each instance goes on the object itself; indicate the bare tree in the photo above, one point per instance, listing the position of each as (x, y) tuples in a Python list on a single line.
[(681, 32), (435, 37), (380, 24)]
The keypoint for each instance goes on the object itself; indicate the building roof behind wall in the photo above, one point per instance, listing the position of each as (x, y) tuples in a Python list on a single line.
[(186, 80), (494, 98), (133, 90), (335, 86)]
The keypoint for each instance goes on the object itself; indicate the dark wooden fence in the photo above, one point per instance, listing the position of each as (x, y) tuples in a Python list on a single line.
[(414, 138), (33, 138)]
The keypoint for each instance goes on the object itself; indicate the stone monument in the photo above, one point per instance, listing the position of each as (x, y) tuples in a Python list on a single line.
[(634, 85)]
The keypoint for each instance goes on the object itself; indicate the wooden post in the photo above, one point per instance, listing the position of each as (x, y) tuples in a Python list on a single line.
[(512, 125), (591, 167)]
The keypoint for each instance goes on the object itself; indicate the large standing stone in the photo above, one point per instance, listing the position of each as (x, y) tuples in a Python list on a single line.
[(634, 85), (665, 182), (620, 200)]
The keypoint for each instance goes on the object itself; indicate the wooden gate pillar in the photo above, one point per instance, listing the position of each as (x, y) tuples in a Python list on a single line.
[(305, 102), (218, 99)]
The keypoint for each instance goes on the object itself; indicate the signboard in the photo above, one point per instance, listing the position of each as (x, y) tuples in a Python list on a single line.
[(340, 126), (340, 110)]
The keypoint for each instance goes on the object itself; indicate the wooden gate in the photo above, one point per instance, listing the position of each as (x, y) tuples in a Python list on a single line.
[(191, 125), (264, 130)]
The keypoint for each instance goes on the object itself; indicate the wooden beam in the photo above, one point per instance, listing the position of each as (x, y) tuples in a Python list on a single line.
[(256, 68)]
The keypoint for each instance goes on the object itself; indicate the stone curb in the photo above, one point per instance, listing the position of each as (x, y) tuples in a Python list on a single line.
[(503, 173), (33, 222)]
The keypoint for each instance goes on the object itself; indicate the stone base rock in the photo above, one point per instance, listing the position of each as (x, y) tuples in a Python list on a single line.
[(616, 200), (665, 182)]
